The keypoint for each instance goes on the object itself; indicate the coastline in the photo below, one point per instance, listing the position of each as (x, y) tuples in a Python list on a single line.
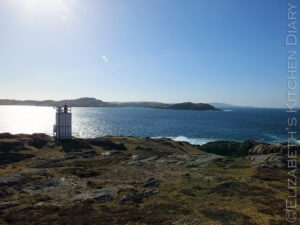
[(120, 179)]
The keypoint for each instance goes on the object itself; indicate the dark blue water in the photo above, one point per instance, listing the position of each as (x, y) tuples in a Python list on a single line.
[(197, 127)]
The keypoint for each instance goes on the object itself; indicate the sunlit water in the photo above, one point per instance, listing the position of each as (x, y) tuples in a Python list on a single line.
[(196, 127)]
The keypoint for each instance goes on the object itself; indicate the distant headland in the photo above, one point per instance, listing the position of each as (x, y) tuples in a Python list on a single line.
[(93, 102)]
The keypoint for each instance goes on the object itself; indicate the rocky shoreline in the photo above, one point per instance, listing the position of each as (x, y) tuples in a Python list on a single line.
[(128, 180)]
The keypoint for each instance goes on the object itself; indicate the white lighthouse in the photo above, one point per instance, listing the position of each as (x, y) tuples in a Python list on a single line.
[(63, 127)]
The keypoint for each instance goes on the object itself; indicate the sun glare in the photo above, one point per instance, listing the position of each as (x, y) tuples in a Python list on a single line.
[(30, 6), (59, 7)]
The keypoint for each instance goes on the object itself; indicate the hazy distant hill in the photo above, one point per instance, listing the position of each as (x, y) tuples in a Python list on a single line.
[(81, 102), (93, 102)]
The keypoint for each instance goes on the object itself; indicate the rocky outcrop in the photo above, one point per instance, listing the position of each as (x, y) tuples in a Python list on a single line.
[(272, 160), (263, 148)]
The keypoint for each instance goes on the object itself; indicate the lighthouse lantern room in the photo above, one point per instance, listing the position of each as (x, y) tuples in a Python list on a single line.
[(63, 127)]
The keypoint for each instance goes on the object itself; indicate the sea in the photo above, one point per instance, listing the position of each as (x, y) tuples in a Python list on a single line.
[(195, 127)]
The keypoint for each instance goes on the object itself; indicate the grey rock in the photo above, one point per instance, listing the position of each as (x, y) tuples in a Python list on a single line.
[(272, 160), (104, 194)]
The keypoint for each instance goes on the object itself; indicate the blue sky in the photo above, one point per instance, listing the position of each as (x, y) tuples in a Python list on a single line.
[(228, 51)]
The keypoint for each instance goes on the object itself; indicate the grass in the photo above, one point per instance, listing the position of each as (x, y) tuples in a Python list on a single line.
[(226, 192)]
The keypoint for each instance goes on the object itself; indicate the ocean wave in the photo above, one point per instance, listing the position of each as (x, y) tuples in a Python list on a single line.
[(193, 141), (297, 142)]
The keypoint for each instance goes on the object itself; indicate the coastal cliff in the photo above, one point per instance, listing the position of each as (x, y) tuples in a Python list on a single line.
[(128, 180)]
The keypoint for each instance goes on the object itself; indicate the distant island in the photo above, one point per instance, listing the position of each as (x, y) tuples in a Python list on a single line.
[(93, 102)]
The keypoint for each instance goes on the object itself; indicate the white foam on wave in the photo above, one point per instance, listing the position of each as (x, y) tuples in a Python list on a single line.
[(193, 141), (297, 142)]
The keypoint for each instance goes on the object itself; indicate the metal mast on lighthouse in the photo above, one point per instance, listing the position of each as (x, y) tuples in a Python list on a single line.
[(63, 127)]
